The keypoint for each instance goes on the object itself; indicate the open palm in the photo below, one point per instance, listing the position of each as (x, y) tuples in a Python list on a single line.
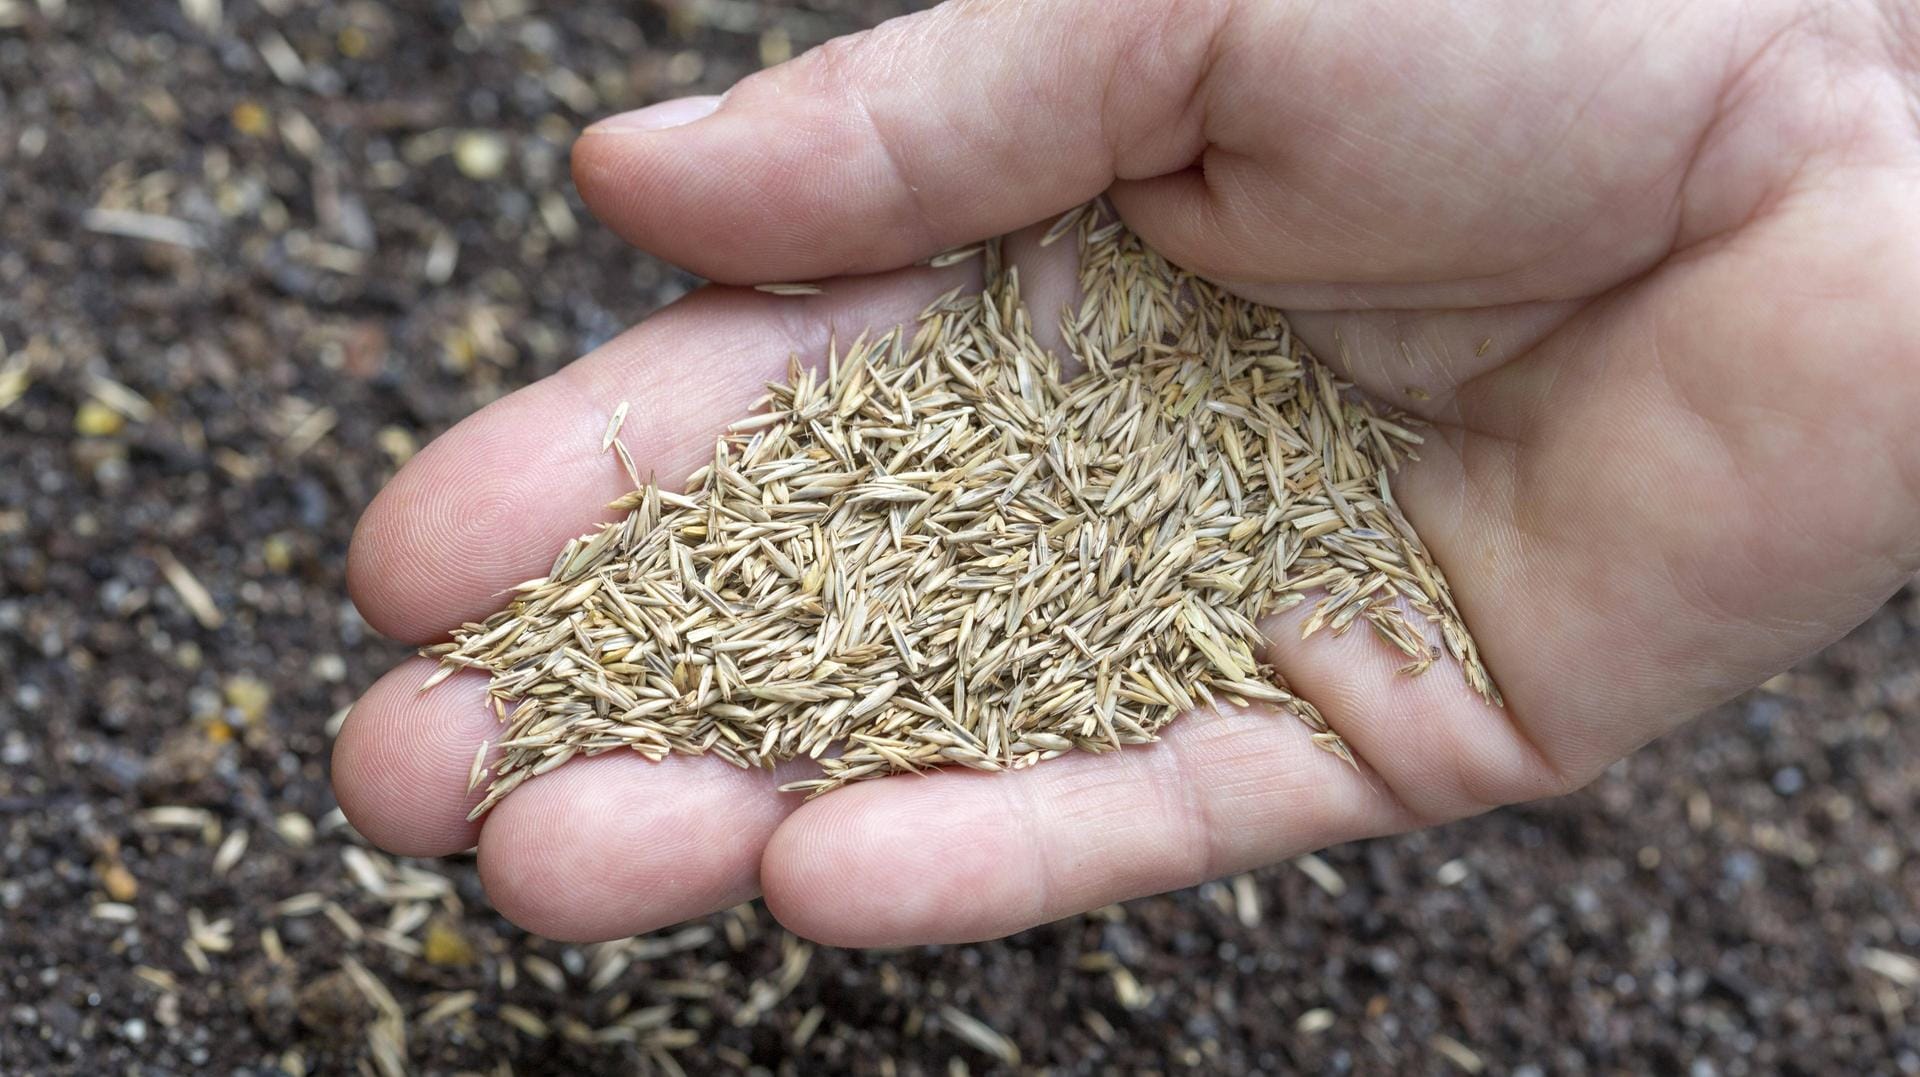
[(1648, 268)]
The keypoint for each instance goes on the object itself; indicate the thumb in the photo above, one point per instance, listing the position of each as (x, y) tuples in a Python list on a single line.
[(930, 131)]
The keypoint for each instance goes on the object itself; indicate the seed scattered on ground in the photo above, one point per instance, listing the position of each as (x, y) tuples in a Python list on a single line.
[(1246, 901), (450, 1005), (524, 1020), (1899, 968), (193, 594), (944, 549), (115, 911), (302, 904), (231, 850), (1458, 1053), (1321, 873), (177, 817), (980, 1035), (1314, 1021)]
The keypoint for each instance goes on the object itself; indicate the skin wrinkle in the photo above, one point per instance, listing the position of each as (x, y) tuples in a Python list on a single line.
[(937, 903), (1176, 21), (1736, 86), (1367, 151), (523, 860), (1630, 268), (921, 212), (1203, 830), (1782, 519), (1036, 841), (1200, 761), (1681, 574), (1379, 369), (1514, 716), (1387, 762), (1608, 73), (1459, 290), (1494, 214), (1560, 779), (1556, 252), (1900, 37)]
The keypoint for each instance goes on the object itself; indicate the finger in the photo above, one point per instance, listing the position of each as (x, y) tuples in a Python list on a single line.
[(1049, 284), (600, 848), (930, 131), (1376, 154), (959, 856), (1439, 749), (1403, 155), (402, 761), (405, 760), (1417, 360), (488, 503), (616, 845)]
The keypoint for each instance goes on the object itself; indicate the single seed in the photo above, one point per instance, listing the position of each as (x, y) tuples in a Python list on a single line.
[(613, 426)]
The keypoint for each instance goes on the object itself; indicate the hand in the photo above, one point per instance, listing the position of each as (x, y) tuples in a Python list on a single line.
[(1649, 268)]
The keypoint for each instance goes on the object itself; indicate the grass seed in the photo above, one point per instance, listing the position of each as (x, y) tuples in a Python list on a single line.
[(947, 548)]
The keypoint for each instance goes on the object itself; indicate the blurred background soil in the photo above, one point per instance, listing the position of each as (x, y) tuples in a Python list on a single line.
[(254, 253)]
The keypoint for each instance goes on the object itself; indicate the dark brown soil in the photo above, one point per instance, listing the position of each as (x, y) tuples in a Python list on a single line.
[(1740, 898)]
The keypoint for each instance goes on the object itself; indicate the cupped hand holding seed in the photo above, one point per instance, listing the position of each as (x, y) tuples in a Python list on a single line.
[(1648, 269)]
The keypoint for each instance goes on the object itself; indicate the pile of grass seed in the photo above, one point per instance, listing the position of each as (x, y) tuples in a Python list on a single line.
[(942, 549)]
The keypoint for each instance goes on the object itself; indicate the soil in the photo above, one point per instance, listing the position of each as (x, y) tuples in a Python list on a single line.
[(364, 232)]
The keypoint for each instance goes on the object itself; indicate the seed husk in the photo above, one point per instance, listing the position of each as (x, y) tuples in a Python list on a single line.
[(945, 549)]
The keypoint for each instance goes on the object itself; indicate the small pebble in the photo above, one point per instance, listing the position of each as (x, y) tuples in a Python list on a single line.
[(446, 947), (96, 420), (480, 155), (248, 695), (1789, 780)]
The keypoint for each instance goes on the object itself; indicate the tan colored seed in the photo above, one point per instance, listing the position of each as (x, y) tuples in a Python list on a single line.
[(940, 547), (613, 426)]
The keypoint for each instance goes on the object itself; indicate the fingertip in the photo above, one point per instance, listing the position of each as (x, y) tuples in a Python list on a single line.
[(833, 163), (380, 568), (616, 845), (468, 515), (720, 199), (402, 760), (1443, 750), (1178, 215), (611, 186)]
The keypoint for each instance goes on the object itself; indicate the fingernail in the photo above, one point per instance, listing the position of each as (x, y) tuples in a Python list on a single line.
[(675, 113)]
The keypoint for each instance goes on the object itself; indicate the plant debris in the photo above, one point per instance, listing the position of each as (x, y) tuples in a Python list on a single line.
[(946, 550)]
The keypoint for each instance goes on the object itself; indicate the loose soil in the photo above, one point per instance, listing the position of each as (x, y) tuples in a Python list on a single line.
[(380, 238)]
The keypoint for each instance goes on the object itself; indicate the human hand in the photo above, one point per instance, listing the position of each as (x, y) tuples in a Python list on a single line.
[(1647, 268)]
